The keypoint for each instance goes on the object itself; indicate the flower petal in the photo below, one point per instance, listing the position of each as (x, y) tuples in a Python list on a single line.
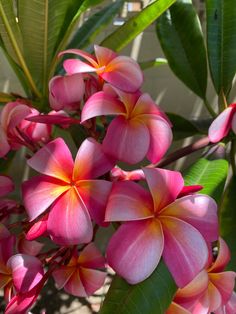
[(62, 275), (124, 73), (164, 185), (198, 210), (75, 285), (135, 249), (40, 192), (104, 55), (27, 271), (181, 251), (215, 299), (54, 159), (16, 115), (87, 56), (91, 161), (222, 259), (69, 222), (7, 242), (91, 257), (92, 279), (202, 305), (176, 309), (224, 282), (6, 185), (221, 125), (94, 194), (160, 137), (100, 104), (4, 146), (127, 140), (128, 201)]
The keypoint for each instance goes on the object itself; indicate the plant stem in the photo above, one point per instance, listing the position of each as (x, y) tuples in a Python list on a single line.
[(232, 156), (184, 151)]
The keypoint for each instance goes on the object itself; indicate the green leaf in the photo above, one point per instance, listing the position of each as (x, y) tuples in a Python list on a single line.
[(135, 25), (228, 221), (151, 296), (152, 63), (94, 25), (210, 173), (180, 35), (182, 127), (221, 42)]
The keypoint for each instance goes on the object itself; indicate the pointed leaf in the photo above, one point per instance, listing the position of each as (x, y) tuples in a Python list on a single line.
[(151, 296), (135, 25), (181, 38), (221, 42), (152, 63)]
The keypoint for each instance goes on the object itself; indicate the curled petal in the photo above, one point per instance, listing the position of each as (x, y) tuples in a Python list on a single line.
[(202, 306), (164, 185), (135, 249), (186, 190), (198, 210), (221, 125), (145, 105), (16, 114), (69, 222), (4, 146), (54, 160), (38, 229), (222, 259), (215, 299), (91, 257), (27, 271), (181, 251), (104, 55), (176, 309), (224, 282), (100, 104), (40, 192), (128, 201), (91, 161), (6, 185), (117, 174), (74, 66), (127, 140), (87, 56)]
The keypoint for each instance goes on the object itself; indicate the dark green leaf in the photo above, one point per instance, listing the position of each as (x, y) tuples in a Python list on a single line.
[(181, 38), (182, 127), (135, 25), (151, 296), (210, 173), (94, 25), (228, 221), (152, 63), (221, 42)]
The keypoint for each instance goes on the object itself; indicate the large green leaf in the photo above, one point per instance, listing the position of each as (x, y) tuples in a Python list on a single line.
[(135, 25), (228, 220), (94, 25), (181, 38), (151, 296), (221, 42), (210, 173)]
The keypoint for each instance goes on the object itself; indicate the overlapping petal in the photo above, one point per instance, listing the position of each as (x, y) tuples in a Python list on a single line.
[(91, 279), (127, 140), (136, 246), (104, 55), (91, 257), (224, 282), (4, 145), (181, 251), (6, 185), (222, 259), (69, 222), (176, 309)]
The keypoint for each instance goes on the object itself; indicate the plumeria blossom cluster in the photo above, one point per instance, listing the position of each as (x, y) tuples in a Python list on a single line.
[(70, 198)]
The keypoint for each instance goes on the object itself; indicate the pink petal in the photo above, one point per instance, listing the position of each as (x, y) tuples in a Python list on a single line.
[(66, 90), (69, 222), (92, 279), (74, 285), (4, 146), (62, 275), (164, 185), (87, 56), (91, 257), (124, 73), (54, 159), (40, 192), (74, 66), (117, 174), (94, 194), (222, 259), (38, 229), (27, 271), (176, 309), (202, 305), (127, 140), (221, 125), (186, 190), (145, 105), (224, 282), (231, 305), (17, 114), (100, 104), (53, 119), (29, 247), (128, 201), (91, 161), (104, 55), (160, 137), (135, 249), (233, 123), (214, 296), (7, 242), (198, 210), (6, 185), (181, 251)]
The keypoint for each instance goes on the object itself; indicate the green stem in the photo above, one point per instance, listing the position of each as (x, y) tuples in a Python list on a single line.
[(18, 52), (232, 156)]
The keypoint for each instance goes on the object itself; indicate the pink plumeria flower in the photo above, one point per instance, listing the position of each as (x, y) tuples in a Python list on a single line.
[(80, 276), (157, 224), (175, 308), (120, 71), (229, 307), (66, 92), (221, 126), (69, 189), (6, 185), (212, 288), (138, 130)]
